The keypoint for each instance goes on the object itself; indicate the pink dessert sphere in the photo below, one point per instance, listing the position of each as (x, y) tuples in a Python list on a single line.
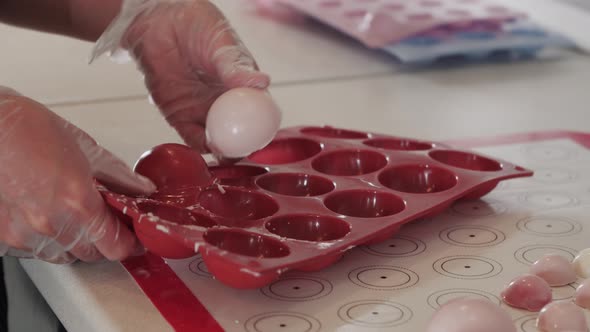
[(561, 316), (470, 315), (555, 269), (528, 292)]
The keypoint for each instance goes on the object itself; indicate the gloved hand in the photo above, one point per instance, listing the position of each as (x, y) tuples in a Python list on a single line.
[(49, 206), (189, 55)]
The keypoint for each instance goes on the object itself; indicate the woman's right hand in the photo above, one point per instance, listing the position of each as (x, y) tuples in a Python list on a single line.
[(50, 208)]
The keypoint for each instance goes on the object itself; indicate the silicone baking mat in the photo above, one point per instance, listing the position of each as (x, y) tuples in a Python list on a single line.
[(472, 249)]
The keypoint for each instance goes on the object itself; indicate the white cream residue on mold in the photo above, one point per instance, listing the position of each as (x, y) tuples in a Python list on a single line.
[(250, 272), (324, 245), (348, 248), (163, 228), (220, 188), (194, 227), (151, 217)]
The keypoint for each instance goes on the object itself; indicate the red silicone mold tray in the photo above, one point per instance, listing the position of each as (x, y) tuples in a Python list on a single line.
[(301, 202)]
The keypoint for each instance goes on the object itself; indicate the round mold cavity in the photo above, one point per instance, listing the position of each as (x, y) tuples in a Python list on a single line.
[(430, 3), (356, 13), (497, 9), (296, 184), (172, 167), (418, 179), (458, 13), (239, 204), (236, 175), (309, 227), (365, 203), (465, 160), (419, 17), (393, 6), (349, 162), (403, 144), (175, 215), (330, 3), (330, 132), (285, 151), (245, 243)]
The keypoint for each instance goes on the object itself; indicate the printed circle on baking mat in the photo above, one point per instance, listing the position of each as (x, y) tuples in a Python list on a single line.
[(199, 268), (554, 176), (472, 236), (397, 246), (282, 321), (549, 153), (563, 292), (548, 200), (478, 208), (529, 254), (467, 267), (435, 300), (298, 288), (549, 226), (527, 323), (383, 277), (375, 313)]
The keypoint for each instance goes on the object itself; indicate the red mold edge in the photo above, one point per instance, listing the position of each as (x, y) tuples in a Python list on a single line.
[(220, 243)]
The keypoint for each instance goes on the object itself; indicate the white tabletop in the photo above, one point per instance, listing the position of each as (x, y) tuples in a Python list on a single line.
[(319, 78)]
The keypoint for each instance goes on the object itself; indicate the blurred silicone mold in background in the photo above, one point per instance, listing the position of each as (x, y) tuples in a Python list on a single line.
[(278, 11)]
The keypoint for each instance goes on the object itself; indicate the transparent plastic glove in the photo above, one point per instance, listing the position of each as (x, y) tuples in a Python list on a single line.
[(49, 206), (189, 55)]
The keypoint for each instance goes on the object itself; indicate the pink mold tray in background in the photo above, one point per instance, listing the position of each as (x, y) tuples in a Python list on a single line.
[(379, 23), (299, 203)]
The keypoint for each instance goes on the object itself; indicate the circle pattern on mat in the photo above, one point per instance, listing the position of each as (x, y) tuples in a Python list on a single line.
[(526, 323), (472, 236), (298, 288), (282, 321), (398, 246), (554, 176), (563, 292), (199, 268), (478, 208), (435, 300), (375, 313), (383, 277), (549, 226), (529, 254), (549, 153), (467, 267), (548, 200)]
